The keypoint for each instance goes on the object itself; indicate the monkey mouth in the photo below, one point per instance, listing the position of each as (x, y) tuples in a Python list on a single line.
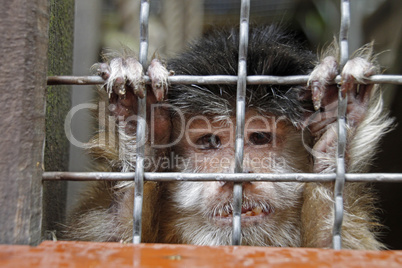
[(249, 215)]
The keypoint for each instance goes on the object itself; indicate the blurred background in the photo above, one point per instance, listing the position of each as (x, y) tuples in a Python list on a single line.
[(115, 23)]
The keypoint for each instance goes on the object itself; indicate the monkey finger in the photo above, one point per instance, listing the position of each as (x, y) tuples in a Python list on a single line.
[(158, 74), (321, 78), (137, 88), (102, 69), (119, 87), (133, 72), (356, 70), (116, 80)]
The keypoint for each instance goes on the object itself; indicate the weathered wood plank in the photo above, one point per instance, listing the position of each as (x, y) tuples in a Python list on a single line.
[(23, 48)]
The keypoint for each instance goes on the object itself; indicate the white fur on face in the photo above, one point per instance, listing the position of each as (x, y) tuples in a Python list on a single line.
[(271, 210), (200, 208)]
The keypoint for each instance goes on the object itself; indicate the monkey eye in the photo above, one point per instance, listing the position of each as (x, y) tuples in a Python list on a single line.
[(260, 138), (209, 141)]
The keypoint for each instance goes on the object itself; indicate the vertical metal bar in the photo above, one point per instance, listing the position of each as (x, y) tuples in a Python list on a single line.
[(340, 155), (141, 127), (240, 114)]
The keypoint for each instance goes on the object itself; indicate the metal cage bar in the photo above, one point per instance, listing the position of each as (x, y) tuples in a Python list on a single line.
[(231, 177), (342, 132), (221, 79), (240, 114), (141, 127)]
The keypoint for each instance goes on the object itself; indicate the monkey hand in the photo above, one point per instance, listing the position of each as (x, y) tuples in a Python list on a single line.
[(126, 74), (324, 92), (125, 83)]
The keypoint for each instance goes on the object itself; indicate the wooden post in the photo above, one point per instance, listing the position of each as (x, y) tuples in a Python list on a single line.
[(58, 103), (23, 48)]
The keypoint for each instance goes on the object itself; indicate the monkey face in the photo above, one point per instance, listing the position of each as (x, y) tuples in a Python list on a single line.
[(268, 207)]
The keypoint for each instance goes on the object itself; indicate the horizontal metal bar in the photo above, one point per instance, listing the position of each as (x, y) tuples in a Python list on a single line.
[(75, 80), (177, 176), (220, 79)]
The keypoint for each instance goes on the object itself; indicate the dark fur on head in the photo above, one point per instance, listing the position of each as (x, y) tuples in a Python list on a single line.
[(271, 52)]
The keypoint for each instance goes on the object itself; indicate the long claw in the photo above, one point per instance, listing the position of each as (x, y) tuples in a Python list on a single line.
[(317, 94)]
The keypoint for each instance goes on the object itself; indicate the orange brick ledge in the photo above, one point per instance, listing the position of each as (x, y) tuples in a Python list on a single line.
[(89, 254)]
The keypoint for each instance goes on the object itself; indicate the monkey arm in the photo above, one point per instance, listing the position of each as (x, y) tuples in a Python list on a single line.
[(105, 211), (366, 124)]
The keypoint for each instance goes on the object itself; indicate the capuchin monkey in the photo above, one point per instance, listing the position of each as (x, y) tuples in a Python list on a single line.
[(191, 128)]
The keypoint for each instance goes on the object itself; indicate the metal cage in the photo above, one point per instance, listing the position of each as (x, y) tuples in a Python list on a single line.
[(339, 177)]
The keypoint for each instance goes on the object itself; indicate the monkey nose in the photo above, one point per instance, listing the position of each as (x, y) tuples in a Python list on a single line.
[(228, 185)]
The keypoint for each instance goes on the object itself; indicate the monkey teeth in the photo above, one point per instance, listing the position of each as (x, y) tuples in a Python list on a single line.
[(257, 210), (246, 212), (254, 212)]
